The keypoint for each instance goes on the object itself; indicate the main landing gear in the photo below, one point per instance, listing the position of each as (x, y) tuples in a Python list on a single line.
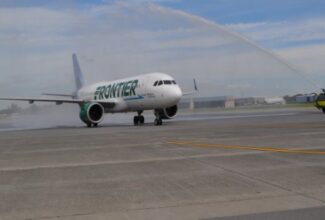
[(139, 119)]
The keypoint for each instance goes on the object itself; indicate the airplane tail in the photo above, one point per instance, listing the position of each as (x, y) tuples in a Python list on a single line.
[(79, 79)]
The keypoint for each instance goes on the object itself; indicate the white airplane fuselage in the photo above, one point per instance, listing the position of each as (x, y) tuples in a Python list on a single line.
[(143, 92)]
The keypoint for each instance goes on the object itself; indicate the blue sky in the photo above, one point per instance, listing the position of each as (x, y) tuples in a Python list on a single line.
[(221, 11), (247, 11), (225, 12), (230, 12)]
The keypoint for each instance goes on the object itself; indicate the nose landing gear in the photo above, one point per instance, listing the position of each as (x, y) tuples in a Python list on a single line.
[(158, 120)]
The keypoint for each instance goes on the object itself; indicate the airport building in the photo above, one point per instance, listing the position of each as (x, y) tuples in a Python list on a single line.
[(208, 102), (227, 102)]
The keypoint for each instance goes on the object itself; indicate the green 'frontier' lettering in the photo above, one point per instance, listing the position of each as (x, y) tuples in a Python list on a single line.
[(120, 85), (133, 86), (115, 90), (107, 92)]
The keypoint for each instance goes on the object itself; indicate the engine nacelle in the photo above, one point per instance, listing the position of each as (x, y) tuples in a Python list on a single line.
[(91, 113), (167, 113)]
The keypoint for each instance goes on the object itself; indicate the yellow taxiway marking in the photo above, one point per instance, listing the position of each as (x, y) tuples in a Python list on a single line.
[(269, 149)]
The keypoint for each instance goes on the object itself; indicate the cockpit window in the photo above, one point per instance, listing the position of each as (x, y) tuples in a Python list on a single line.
[(164, 82), (167, 82)]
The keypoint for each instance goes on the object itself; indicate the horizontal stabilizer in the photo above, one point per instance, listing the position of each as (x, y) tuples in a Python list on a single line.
[(58, 95), (61, 101)]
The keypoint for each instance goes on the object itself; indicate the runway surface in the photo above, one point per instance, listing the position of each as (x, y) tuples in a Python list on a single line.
[(223, 165)]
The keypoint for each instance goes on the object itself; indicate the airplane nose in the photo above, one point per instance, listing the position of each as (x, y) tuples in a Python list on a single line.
[(176, 93), (172, 94)]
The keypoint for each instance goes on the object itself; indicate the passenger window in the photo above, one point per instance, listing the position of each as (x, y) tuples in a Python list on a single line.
[(160, 83), (167, 82), (156, 83)]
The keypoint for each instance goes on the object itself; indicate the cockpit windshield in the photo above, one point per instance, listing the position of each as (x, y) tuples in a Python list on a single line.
[(164, 82)]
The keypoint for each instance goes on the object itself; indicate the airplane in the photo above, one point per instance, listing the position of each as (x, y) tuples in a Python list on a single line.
[(153, 91)]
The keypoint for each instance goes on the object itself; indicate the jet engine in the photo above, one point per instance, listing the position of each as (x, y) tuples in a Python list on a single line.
[(91, 113), (167, 113)]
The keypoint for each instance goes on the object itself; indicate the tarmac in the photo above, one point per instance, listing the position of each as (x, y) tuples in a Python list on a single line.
[(214, 165)]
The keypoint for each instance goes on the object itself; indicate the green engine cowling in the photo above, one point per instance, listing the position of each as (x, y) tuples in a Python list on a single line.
[(91, 113)]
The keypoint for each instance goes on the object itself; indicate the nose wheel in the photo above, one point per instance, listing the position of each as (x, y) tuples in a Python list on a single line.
[(158, 121), (138, 119)]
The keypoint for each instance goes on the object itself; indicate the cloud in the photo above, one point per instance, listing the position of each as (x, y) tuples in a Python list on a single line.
[(120, 39), (309, 59), (285, 33)]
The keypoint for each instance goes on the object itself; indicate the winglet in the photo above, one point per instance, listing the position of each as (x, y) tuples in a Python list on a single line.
[(193, 92), (195, 85)]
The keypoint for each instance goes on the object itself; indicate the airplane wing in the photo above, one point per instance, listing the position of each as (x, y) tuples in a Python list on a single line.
[(58, 101), (61, 101), (189, 93)]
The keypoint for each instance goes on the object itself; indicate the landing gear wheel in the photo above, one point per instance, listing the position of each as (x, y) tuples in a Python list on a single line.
[(136, 120), (141, 119), (323, 109), (95, 125), (89, 125), (158, 121)]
